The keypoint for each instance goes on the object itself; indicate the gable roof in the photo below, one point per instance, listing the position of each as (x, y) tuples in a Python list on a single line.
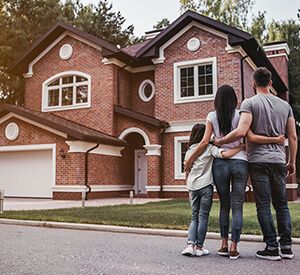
[(72, 129), (20, 66)]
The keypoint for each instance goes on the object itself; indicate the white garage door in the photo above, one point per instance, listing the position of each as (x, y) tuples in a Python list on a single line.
[(26, 173)]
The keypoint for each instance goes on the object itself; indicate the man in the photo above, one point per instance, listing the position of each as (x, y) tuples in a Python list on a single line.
[(268, 115)]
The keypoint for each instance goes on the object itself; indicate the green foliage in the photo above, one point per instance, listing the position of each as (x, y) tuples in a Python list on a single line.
[(231, 12), (171, 214), (23, 22), (165, 22)]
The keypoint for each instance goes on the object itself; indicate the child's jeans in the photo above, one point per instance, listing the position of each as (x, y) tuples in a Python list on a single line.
[(201, 202)]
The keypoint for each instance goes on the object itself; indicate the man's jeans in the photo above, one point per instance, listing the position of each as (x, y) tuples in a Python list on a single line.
[(269, 182), (236, 171), (201, 202)]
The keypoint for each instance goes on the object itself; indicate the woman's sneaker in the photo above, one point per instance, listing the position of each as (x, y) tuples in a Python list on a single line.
[(286, 253), (201, 252), (267, 254), (223, 251), (188, 251)]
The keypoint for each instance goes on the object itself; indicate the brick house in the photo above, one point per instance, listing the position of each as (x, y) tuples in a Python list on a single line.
[(112, 120)]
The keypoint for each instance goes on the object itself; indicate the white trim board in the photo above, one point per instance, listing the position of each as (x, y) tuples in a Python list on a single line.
[(78, 146)]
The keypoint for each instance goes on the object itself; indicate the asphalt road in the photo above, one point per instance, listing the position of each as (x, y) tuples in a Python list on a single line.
[(34, 250)]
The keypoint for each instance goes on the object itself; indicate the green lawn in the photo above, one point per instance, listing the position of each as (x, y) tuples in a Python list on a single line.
[(173, 214)]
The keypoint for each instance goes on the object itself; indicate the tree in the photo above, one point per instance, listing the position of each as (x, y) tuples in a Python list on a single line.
[(165, 22), (231, 12), (23, 22)]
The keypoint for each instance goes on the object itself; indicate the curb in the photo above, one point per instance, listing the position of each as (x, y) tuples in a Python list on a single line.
[(123, 229)]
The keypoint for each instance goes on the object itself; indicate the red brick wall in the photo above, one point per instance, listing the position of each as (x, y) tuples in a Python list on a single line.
[(228, 72), (84, 59)]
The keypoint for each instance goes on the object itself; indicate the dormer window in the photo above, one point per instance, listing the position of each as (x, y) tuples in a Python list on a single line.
[(68, 90)]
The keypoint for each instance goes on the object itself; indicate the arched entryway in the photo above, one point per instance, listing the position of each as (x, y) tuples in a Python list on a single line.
[(134, 160)]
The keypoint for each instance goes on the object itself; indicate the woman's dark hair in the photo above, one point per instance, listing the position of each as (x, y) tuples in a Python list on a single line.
[(197, 133), (225, 104)]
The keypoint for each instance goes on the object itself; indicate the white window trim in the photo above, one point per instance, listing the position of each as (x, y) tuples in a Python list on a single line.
[(179, 65), (142, 90), (177, 156), (46, 108)]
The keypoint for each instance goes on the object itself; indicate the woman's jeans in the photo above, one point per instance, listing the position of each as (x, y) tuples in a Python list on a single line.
[(269, 182), (201, 202), (236, 171)]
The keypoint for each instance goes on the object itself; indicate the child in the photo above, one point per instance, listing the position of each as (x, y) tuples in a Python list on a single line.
[(200, 185)]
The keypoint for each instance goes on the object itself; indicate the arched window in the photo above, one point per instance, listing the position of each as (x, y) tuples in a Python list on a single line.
[(67, 90)]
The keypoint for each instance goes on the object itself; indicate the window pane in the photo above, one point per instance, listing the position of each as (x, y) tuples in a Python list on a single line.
[(147, 90), (184, 148), (209, 79), (53, 97), (209, 89), (201, 80), (54, 83), (80, 79), (81, 94), (67, 80), (201, 90), (208, 69), (187, 81), (67, 96), (205, 79), (201, 70)]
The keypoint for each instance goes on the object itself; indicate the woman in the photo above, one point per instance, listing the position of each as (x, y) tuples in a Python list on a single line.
[(223, 120)]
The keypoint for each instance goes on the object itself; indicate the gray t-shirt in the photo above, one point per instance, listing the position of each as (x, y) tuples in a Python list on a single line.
[(269, 118)]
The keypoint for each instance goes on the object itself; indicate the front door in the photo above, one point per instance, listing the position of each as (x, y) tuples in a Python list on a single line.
[(140, 172)]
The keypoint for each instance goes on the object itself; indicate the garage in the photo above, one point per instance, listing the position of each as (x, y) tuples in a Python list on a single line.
[(27, 173)]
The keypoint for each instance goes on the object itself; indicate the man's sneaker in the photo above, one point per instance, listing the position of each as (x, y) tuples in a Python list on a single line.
[(286, 253), (188, 251), (233, 255), (223, 251), (201, 252), (267, 254)]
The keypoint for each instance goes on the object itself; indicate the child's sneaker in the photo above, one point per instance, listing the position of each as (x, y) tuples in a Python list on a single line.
[(188, 251), (201, 252)]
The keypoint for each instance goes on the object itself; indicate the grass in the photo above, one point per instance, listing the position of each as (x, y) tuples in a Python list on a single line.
[(172, 214)]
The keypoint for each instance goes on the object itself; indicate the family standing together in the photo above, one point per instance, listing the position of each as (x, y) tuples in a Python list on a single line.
[(264, 120)]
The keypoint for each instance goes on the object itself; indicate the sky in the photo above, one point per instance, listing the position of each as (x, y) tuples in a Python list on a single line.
[(143, 14)]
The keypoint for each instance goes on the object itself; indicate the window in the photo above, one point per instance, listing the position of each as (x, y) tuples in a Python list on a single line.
[(68, 90), (181, 147), (195, 80), (146, 90)]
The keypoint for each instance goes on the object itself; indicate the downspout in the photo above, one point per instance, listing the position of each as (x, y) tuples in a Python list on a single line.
[(161, 174), (87, 166)]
